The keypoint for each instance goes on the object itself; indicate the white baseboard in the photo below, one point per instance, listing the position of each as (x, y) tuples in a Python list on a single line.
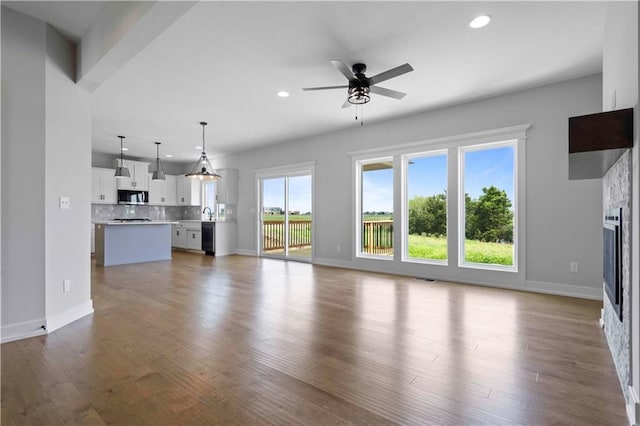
[(70, 315), (633, 407), (243, 252), (601, 319), (592, 293), (22, 330), (534, 286)]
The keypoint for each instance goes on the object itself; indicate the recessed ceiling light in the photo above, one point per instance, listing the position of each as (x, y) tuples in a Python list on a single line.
[(480, 21), (198, 147), (125, 149), (168, 155), (283, 94)]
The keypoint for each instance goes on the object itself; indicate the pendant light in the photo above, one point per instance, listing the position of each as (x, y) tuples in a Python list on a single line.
[(121, 169), (202, 168), (158, 173)]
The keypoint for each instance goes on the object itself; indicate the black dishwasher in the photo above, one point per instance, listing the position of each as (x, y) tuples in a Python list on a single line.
[(209, 238)]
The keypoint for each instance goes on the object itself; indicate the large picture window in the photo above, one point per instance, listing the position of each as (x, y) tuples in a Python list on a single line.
[(458, 204), (426, 207), (376, 208), (488, 205)]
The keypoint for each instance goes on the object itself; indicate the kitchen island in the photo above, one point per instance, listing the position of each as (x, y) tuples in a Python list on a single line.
[(123, 242)]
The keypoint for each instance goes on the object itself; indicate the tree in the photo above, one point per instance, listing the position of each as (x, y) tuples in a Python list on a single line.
[(492, 218), (428, 215)]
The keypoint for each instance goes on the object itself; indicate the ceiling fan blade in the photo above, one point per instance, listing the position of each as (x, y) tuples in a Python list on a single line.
[(346, 104), (325, 88), (387, 92), (343, 69), (393, 72)]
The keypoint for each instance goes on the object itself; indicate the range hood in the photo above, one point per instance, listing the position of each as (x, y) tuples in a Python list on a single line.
[(596, 141)]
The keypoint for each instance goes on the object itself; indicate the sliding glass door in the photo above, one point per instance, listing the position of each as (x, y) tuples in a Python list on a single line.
[(286, 217)]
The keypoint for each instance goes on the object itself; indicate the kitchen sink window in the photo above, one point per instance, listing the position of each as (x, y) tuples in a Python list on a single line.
[(209, 200)]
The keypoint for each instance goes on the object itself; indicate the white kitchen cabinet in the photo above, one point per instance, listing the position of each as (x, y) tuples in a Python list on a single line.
[(139, 176), (170, 190), (227, 187), (178, 236), (187, 191), (194, 239), (162, 192), (103, 186)]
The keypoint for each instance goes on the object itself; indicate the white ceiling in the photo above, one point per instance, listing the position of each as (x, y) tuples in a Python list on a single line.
[(223, 62)]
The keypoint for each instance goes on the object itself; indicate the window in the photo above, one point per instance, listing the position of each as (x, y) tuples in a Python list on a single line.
[(488, 208), (460, 202), (426, 207), (376, 208), (209, 200)]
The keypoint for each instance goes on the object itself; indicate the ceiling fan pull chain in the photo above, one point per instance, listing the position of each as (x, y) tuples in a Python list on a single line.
[(362, 115)]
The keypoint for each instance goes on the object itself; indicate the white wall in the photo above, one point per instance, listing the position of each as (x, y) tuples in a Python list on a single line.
[(45, 131), (562, 216), (620, 79)]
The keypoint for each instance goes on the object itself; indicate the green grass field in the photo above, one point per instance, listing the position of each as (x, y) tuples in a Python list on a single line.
[(475, 251), (280, 217)]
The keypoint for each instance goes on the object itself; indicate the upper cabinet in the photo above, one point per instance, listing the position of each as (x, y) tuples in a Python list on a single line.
[(139, 176), (103, 186), (162, 192), (227, 186), (187, 191)]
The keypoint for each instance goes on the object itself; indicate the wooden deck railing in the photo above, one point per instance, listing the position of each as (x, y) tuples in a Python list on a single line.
[(273, 234), (377, 236)]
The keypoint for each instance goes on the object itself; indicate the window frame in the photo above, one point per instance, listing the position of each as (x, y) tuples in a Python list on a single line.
[(472, 273), (462, 208), (359, 253), (405, 205)]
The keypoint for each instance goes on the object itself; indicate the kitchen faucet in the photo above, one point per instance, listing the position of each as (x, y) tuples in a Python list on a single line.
[(210, 212)]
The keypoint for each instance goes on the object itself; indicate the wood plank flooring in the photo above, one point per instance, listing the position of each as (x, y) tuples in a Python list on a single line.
[(241, 340)]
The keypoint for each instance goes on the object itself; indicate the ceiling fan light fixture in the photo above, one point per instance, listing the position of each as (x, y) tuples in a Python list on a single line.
[(202, 169), (358, 95)]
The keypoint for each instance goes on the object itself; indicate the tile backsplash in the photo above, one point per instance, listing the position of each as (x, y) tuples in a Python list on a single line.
[(113, 211)]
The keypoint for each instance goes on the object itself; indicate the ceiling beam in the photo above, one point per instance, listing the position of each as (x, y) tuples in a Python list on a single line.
[(120, 32)]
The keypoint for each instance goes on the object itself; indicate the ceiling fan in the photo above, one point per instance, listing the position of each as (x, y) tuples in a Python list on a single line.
[(360, 85)]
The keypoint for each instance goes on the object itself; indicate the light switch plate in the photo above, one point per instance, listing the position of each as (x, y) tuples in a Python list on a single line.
[(65, 203)]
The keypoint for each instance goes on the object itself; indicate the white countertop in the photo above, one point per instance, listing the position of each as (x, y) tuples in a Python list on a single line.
[(117, 222)]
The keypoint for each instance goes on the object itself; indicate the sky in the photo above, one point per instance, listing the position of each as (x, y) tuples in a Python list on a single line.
[(299, 193), (427, 176)]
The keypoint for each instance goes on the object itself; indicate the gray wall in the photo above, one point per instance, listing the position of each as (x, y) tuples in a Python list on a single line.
[(563, 222), (23, 142), (46, 129), (67, 157)]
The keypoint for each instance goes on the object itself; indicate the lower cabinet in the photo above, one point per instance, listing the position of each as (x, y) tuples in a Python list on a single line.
[(187, 236), (178, 237), (194, 240)]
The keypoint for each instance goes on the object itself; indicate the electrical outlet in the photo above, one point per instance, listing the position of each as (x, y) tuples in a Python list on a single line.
[(66, 286), (65, 203), (338, 248), (573, 266)]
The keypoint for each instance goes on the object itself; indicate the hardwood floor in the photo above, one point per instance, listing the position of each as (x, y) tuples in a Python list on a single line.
[(241, 340)]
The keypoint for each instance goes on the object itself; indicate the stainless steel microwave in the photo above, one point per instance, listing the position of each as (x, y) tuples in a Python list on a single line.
[(133, 197)]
